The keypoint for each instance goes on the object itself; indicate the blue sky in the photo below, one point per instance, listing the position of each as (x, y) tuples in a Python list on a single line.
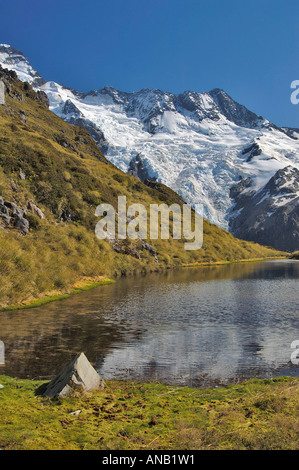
[(250, 49)]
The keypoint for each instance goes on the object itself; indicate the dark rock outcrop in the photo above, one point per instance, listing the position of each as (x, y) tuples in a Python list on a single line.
[(13, 217), (93, 130), (269, 216), (74, 116), (8, 77), (64, 142), (234, 111), (253, 151), (126, 248), (192, 102), (70, 110), (138, 169)]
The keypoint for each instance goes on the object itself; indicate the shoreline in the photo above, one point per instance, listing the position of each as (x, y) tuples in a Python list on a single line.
[(82, 285), (222, 263), (86, 284)]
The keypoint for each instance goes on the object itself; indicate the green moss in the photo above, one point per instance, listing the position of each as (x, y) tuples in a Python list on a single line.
[(36, 303), (258, 414), (92, 285), (52, 298)]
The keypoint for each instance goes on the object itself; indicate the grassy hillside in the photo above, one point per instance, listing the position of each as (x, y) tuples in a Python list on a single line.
[(58, 168)]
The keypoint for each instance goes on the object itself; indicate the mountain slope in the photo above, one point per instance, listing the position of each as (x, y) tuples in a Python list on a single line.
[(52, 177), (198, 144)]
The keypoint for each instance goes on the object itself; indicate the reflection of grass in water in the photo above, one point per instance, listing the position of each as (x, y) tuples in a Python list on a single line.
[(258, 414), (197, 271)]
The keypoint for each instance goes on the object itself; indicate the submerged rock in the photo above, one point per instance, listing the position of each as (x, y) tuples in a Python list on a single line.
[(77, 375)]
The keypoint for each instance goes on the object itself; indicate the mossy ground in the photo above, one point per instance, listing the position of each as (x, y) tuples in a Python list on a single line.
[(258, 414)]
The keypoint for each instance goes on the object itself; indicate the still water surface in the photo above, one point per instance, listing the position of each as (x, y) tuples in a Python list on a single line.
[(196, 327)]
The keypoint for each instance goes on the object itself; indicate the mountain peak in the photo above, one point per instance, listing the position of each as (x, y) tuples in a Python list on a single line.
[(199, 144), (218, 91), (13, 59), (234, 111)]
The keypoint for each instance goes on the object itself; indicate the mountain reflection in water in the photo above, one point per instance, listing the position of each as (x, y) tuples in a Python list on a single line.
[(196, 327)]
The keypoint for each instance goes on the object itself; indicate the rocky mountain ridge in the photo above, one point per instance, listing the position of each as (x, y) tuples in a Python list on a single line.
[(269, 215), (199, 144)]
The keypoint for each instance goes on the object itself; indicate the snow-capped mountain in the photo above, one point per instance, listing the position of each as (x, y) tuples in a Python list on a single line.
[(269, 214), (12, 59), (205, 146)]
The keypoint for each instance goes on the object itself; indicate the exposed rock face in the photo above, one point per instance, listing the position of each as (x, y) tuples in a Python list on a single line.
[(21, 223), (66, 215), (70, 110), (7, 77), (12, 216), (151, 249), (195, 143), (77, 375), (73, 115), (292, 132), (269, 216), (36, 210), (64, 142), (138, 169), (23, 117), (253, 151), (42, 98), (234, 111), (128, 249), (94, 131), (2, 93)]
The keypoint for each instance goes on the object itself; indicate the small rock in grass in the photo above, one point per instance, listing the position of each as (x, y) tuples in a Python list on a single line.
[(75, 413)]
